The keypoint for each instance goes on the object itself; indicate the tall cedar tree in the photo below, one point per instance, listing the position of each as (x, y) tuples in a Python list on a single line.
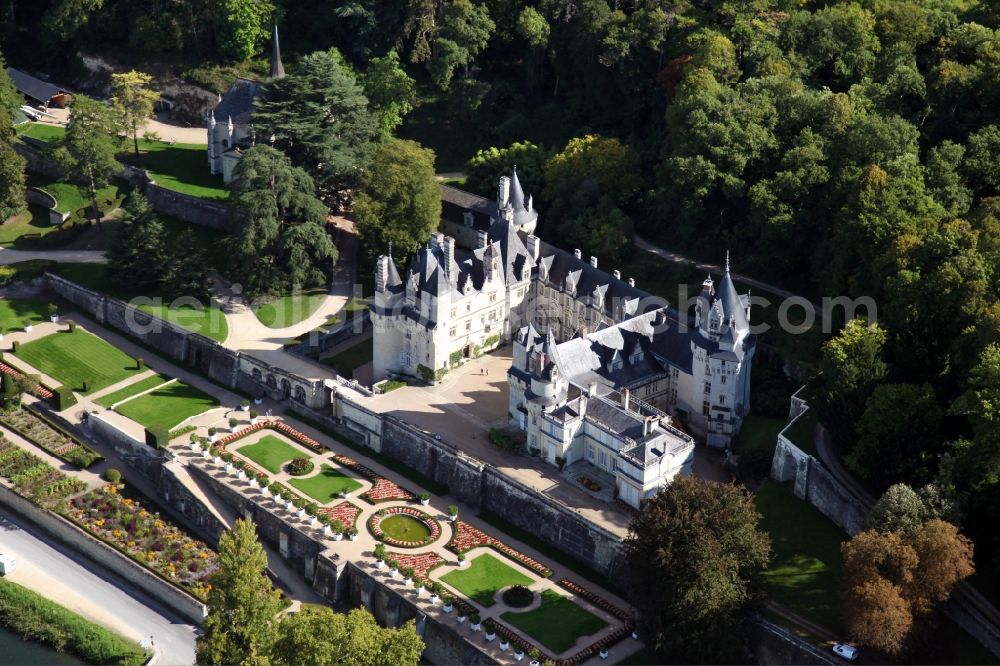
[(279, 238), (137, 258), (695, 557), (88, 149)]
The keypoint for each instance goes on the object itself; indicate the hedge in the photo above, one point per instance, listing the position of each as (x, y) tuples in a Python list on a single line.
[(64, 398), (158, 439), (36, 618)]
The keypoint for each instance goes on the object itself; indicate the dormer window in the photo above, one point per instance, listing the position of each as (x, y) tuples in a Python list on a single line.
[(467, 218), (616, 362), (637, 355)]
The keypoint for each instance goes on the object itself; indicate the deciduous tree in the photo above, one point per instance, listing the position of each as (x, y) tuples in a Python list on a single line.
[(695, 557), (243, 26), (483, 171), (399, 202), (318, 635), (945, 559), (390, 91)]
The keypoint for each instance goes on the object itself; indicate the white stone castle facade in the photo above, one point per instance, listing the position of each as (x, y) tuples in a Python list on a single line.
[(601, 370)]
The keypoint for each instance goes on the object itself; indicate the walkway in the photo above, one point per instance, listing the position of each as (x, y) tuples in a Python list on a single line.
[(70, 580), (8, 256), (678, 258), (166, 129)]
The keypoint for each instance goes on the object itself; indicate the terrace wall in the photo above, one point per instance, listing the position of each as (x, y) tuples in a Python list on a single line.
[(104, 556), (37, 160), (203, 212)]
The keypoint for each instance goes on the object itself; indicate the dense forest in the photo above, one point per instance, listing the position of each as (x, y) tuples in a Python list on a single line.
[(840, 148)]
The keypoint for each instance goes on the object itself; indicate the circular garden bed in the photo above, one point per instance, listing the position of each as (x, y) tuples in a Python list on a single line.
[(300, 466), (518, 596), (404, 526)]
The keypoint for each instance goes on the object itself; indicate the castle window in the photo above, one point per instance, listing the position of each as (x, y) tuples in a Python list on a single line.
[(452, 332), (468, 326), (722, 399), (722, 379), (708, 388), (704, 408), (467, 218)]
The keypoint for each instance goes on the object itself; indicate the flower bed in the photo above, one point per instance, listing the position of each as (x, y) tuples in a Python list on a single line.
[(375, 526), (345, 512), (384, 490), (595, 599), (278, 426), (468, 537), (143, 536), (37, 430), (421, 564), (595, 648), (39, 391), (34, 478)]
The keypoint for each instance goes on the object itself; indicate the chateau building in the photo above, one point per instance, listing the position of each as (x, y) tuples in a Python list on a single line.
[(602, 371), (228, 124)]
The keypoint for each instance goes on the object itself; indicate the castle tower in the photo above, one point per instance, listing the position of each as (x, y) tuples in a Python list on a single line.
[(277, 69)]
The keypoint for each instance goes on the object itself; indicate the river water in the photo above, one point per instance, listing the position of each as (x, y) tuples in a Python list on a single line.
[(17, 652)]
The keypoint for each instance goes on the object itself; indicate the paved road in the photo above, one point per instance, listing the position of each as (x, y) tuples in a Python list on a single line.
[(8, 256), (70, 580), (677, 258)]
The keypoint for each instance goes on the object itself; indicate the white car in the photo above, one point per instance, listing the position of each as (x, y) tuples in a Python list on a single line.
[(845, 651)]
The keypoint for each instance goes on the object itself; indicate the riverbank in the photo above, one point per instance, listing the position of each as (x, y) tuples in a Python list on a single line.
[(35, 618)]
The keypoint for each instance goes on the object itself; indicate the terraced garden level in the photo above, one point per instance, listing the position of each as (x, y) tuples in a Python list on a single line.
[(78, 357), (327, 485), (270, 453), (557, 623), (167, 406), (131, 390), (482, 579)]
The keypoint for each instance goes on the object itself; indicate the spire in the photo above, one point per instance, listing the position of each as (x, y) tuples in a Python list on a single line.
[(727, 261), (516, 193), (277, 69)]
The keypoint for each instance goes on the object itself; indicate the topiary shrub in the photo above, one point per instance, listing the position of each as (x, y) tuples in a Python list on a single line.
[(63, 398), (518, 596), (72, 326), (112, 475), (14, 346), (158, 438), (300, 466)]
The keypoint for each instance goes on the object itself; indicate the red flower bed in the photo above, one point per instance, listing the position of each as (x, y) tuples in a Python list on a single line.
[(279, 426), (40, 390), (511, 636), (384, 490), (375, 526), (594, 648), (422, 564), (593, 598), (468, 537), (345, 512)]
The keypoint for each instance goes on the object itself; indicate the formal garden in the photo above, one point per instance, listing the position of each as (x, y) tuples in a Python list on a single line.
[(40, 431), (109, 400), (325, 486), (34, 478), (483, 578), (270, 453), (165, 407), (557, 623), (79, 360)]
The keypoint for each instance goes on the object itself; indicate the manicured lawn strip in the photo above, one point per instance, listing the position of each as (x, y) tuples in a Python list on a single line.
[(354, 357), (551, 552), (42, 131), (400, 468), (805, 570), (166, 407), (210, 321), (270, 452), (131, 390), (71, 197), (481, 579), (13, 312), (73, 358), (35, 618), (289, 310), (33, 222), (326, 485), (557, 623), (404, 528), (803, 433)]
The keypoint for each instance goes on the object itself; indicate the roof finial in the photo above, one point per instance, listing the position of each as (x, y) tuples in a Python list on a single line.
[(390, 249), (277, 68), (727, 261)]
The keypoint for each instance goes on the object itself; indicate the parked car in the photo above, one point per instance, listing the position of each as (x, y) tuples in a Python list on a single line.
[(7, 564), (845, 651)]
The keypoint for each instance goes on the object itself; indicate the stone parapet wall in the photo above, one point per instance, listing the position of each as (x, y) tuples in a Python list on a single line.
[(203, 212), (105, 556)]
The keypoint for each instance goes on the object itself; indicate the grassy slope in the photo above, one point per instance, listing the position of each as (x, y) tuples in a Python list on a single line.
[(13, 312), (71, 197), (166, 407), (131, 390), (289, 310), (354, 357), (73, 358), (182, 167), (326, 485), (270, 453), (483, 577)]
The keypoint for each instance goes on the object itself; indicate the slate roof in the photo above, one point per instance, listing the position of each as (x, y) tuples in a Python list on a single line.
[(516, 260), (33, 87), (238, 101), (455, 202), (522, 214)]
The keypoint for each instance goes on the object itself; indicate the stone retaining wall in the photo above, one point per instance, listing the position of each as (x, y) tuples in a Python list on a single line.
[(203, 212), (106, 557), (38, 197)]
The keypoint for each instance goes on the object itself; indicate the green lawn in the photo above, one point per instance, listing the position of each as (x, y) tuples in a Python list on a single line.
[(42, 131), (353, 357), (326, 485), (557, 623), (182, 167), (209, 321), (481, 579), (73, 358), (71, 197), (33, 222), (803, 433), (131, 390), (755, 446), (270, 453), (13, 312), (404, 528), (805, 570), (166, 407), (289, 310)]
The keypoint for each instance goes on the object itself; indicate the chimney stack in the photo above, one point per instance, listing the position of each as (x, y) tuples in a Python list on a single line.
[(577, 253), (626, 395), (647, 425), (381, 273), (449, 257), (631, 282), (617, 274), (592, 389), (481, 239), (503, 192), (593, 261), (534, 246)]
